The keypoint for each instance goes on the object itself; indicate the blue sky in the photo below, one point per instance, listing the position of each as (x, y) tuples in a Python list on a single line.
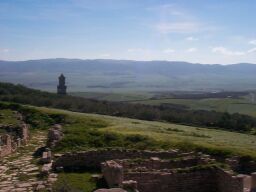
[(199, 31)]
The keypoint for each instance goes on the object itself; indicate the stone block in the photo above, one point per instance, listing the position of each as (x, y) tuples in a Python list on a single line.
[(46, 169), (46, 157), (130, 184), (253, 181), (111, 190)]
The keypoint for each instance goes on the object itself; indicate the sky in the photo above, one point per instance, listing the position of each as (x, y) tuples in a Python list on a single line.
[(198, 31)]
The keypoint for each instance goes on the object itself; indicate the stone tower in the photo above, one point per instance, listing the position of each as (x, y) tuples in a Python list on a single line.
[(62, 88)]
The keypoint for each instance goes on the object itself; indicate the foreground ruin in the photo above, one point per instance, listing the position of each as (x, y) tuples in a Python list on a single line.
[(13, 137), (183, 175), (148, 171)]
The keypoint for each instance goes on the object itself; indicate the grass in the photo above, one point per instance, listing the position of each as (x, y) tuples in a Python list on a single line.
[(154, 134), (75, 182), (8, 117)]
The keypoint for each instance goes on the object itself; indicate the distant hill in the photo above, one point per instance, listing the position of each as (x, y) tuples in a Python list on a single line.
[(125, 75)]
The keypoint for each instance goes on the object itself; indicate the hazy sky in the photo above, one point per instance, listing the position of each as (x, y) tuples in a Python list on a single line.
[(205, 31)]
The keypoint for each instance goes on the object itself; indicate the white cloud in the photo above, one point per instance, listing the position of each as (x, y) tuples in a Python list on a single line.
[(252, 50), (171, 18), (252, 42), (177, 27), (169, 51), (192, 49), (227, 52), (191, 38)]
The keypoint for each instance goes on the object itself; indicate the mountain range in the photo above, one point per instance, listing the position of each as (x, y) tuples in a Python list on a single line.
[(126, 75)]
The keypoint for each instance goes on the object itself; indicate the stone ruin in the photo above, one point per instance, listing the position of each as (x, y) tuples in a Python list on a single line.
[(154, 174), (13, 137), (55, 134), (166, 171)]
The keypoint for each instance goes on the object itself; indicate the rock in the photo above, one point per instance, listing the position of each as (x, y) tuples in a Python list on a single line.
[(40, 187), (111, 190), (96, 177), (59, 169), (23, 185), (130, 184), (46, 169), (46, 157), (32, 169), (55, 134)]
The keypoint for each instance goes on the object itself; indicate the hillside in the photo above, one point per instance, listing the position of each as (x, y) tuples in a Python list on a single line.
[(125, 75), (80, 135), (175, 114), (84, 132)]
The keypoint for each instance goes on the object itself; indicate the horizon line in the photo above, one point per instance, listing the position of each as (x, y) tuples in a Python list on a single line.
[(110, 59)]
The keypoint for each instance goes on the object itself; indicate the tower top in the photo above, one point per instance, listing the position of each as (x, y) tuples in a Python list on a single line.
[(61, 76), (62, 88)]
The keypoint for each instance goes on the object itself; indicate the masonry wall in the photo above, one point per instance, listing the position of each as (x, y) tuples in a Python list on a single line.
[(14, 137), (158, 164), (149, 179), (93, 159), (6, 147), (207, 180), (229, 183), (24, 133), (197, 181)]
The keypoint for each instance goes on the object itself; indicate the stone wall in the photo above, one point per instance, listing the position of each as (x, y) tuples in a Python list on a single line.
[(24, 133), (228, 182), (196, 181), (14, 137), (149, 179), (6, 145), (55, 134), (158, 164), (93, 159), (113, 173), (20, 131), (158, 171)]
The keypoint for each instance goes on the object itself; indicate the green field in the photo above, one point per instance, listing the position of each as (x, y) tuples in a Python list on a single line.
[(114, 96), (242, 106), (172, 135), (8, 117)]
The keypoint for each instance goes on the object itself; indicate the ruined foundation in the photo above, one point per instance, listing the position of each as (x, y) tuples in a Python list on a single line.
[(166, 171), (13, 138), (166, 176)]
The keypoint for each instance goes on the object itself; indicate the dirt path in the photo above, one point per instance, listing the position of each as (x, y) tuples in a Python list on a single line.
[(21, 171)]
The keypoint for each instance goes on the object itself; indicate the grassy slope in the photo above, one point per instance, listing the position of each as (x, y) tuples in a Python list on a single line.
[(175, 135)]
